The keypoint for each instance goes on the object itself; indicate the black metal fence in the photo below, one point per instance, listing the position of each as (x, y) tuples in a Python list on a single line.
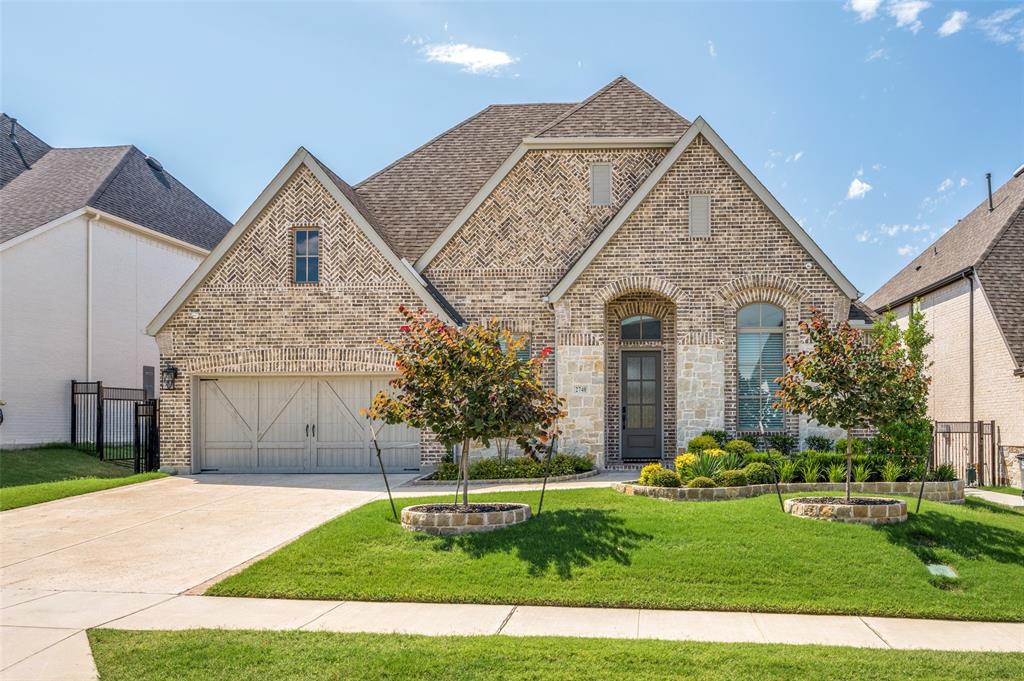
[(962, 444), (116, 424)]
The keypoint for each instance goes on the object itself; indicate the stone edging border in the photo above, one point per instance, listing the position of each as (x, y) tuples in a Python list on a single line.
[(944, 492), (424, 482)]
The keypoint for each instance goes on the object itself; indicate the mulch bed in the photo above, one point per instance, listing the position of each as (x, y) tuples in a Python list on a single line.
[(854, 501), (459, 508)]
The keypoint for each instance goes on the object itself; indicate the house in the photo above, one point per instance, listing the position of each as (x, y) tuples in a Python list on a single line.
[(93, 242), (631, 240), (970, 285)]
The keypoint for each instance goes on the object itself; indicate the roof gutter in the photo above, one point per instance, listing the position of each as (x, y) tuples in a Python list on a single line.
[(956, 276)]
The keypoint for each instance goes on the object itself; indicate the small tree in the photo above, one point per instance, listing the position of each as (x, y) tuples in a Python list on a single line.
[(848, 380), (467, 385)]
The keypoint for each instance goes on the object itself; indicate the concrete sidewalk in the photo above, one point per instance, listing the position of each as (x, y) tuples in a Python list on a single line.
[(43, 632), (1011, 500)]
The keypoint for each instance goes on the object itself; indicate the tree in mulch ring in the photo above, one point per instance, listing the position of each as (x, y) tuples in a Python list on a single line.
[(468, 385)]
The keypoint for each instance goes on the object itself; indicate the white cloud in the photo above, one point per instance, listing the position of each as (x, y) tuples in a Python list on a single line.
[(906, 250), (769, 164), (471, 59), (893, 230), (863, 236), (793, 158), (946, 184), (964, 182), (579, 63), (1003, 27), (865, 9), (711, 49), (875, 55), (906, 13), (858, 189), (877, 166), (953, 24)]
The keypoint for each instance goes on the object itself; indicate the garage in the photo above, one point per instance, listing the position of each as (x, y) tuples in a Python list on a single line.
[(296, 424)]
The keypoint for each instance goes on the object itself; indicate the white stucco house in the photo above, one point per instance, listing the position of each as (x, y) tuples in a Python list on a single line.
[(93, 242)]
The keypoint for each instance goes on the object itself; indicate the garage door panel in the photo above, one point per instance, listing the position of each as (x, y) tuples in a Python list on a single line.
[(284, 411), (229, 414), (282, 458), (342, 459)]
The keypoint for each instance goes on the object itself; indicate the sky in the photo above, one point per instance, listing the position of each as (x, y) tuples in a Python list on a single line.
[(872, 121)]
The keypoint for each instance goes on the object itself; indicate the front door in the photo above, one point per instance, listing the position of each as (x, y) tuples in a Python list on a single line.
[(641, 405)]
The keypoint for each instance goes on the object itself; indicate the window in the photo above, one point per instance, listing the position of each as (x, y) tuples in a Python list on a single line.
[(700, 216), (600, 184), (640, 327), (307, 256), (759, 356)]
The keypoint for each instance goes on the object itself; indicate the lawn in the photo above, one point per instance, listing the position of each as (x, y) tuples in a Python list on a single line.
[(214, 655), (597, 547), (32, 476)]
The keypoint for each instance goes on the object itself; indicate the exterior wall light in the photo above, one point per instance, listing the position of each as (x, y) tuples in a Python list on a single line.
[(167, 376)]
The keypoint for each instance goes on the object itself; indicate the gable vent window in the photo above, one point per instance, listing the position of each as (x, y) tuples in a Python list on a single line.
[(700, 216), (307, 256), (601, 184)]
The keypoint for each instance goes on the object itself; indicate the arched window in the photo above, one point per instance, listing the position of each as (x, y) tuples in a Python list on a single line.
[(640, 327), (759, 353)]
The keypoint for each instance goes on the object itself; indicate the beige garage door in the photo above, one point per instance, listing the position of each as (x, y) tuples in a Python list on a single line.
[(297, 425)]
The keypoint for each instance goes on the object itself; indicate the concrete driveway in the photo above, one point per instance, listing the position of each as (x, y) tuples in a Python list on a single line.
[(169, 535)]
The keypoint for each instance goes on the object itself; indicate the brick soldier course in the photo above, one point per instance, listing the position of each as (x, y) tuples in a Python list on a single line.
[(512, 234)]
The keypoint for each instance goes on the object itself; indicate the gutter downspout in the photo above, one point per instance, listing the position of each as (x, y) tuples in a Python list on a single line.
[(90, 219), (970, 369)]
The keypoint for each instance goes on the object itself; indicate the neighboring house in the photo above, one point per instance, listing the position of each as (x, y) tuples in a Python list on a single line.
[(93, 242), (970, 284), (665, 276)]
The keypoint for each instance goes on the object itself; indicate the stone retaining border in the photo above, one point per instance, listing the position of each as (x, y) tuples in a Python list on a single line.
[(944, 492), (895, 511), (434, 522), (506, 481)]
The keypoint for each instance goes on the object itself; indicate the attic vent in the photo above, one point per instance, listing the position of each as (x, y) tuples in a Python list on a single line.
[(154, 164), (600, 184), (700, 216)]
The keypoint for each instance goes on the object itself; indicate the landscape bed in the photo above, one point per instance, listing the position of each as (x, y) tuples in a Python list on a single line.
[(596, 547), (218, 655)]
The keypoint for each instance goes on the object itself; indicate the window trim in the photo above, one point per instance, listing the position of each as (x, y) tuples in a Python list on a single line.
[(295, 256), (745, 330), (593, 185)]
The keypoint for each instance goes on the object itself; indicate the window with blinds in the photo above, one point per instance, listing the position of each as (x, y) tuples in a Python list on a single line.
[(600, 184), (759, 357)]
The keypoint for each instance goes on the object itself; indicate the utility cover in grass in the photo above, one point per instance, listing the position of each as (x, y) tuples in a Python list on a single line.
[(940, 570)]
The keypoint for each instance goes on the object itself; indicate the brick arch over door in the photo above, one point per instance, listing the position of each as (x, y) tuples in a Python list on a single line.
[(629, 304), (739, 293)]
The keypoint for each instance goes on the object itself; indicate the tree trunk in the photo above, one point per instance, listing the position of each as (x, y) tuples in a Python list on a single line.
[(849, 463), (465, 473)]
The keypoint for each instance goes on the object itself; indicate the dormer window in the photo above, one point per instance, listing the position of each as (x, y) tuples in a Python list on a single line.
[(601, 184), (307, 256)]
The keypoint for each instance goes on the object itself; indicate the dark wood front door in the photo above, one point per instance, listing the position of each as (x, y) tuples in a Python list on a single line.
[(641, 405)]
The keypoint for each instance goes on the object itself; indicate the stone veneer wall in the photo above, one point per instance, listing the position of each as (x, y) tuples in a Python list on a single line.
[(250, 318), (701, 387)]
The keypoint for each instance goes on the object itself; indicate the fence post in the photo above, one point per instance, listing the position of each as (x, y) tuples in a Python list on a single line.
[(137, 448), (74, 415), (99, 419), (995, 460), (153, 446)]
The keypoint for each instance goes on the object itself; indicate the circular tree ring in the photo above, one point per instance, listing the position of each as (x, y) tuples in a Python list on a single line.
[(866, 510), (458, 519)]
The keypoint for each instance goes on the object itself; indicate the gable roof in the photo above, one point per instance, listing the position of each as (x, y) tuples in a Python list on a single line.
[(959, 249), (19, 149), (619, 109), (702, 128), (1001, 271), (340, 191), (116, 180)]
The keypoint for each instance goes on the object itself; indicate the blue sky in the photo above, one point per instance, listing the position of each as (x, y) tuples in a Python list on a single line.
[(873, 121)]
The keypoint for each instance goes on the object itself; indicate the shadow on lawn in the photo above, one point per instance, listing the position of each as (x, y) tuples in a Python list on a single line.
[(563, 539), (930, 531)]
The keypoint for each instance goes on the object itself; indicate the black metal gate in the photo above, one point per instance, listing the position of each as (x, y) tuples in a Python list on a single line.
[(962, 444), (116, 424)]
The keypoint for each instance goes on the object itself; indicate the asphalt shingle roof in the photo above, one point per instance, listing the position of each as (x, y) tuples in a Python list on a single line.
[(32, 148), (619, 109), (116, 180)]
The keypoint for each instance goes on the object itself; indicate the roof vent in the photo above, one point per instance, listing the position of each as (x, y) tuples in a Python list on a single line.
[(154, 164), (1019, 171)]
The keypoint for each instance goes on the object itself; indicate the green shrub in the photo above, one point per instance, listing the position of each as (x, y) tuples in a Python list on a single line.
[(701, 481), (891, 471), (787, 471), (570, 464), (684, 465), (721, 437), (759, 473), (944, 473), (859, 446), (707, 465), (446, 470), (862, 472), (647, 471), (731, 461), (664, 478), (701, 443), (819, 443), (514, 467), (810, 469), (916, 471), (731, 477), (905, 441), (749, 437), (782, 442), (740, 447), (836, 472)]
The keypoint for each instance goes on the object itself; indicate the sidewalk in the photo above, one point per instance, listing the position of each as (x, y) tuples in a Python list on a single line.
[(1011, 500), (43, 635)]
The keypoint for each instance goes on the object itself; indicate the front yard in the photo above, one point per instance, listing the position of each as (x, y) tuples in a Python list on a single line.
[(597, 547), (32, 476)]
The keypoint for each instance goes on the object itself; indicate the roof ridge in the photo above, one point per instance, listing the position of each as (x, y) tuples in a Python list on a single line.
[(579, 106), (113, 173)]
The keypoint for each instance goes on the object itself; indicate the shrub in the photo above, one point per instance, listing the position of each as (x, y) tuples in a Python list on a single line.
[(701, 481), (906, 441), (447, 470), (732, 477), (701, 443), (647, 471), (706, 465), (862, 472), (858, 446), (787, 471), (891, 471), (569, 464), (944, 473), (916, 471), (836, 472), (810, 469), (782, 442), (749, 437), (742, 448), (731, 460), (664, 478), (721, 437), (684, 465), (759, 473), (819, 443)]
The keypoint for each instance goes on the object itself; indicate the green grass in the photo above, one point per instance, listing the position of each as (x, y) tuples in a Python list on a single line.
[(32, 476), (1002, 489), (214, 655), (597, 547)]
